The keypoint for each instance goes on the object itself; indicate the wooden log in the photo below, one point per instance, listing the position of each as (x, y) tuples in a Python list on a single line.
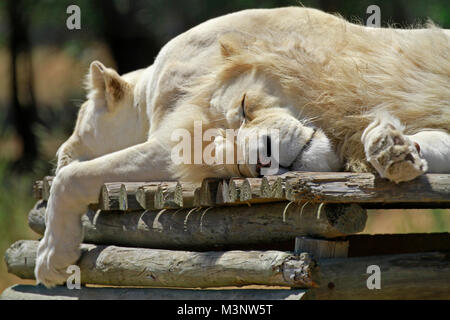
[(321, 249), (121, 266), (223, 192), (336, 187), (169, 196), (145, 195), (403, 276), (216, 227), (172, 195), (238, 191), (186, 192), (127, 196), (159, 195), (272, 187), (197, 197), (109, 196), (31, 292), (207, 194), (245, 190), (344, 187)]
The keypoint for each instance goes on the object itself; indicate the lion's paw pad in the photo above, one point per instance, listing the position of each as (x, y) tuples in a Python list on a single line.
[(394, 156)]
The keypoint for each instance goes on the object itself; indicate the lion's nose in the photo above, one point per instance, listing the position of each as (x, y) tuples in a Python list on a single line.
[(263, 165)]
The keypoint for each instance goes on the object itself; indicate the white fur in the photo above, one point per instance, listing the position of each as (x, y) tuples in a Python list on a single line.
[(123, 131)]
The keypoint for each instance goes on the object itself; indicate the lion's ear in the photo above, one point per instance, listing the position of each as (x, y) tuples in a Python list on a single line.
[(230, 45), (105, 83)]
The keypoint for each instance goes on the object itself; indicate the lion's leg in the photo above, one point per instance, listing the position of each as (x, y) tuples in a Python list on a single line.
[(77, 185), (393, 154), (435, 148)]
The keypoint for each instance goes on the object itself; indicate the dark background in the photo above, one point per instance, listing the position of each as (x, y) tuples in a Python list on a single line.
[(42, 67)]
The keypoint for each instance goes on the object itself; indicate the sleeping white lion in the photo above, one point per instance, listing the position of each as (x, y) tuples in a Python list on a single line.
[(342, 97)]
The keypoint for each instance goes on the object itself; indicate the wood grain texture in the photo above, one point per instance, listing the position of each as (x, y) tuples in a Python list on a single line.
[(168, 196), (403, 276), (427, 191), (321, 249), (343, 187), (122, 266), (109, 196), (214, 227), (30, 292), (127, 196)]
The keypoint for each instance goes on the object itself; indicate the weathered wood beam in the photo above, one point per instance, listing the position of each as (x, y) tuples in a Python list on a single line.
[(127, 196), (188, 194), (109, 196), (169, 196), (121, 266), (272, 187), (207, 193), (428, 191), (214, 227), (402, 276), (145, 195), (31, 292), (166, 195), (344, 187), (249, 191), (320, 248)]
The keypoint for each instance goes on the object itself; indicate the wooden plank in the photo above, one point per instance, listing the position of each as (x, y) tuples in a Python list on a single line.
[(207, 194), (168, 196), (223, 192), (272, 187), (161, 195), (121, 266), (31, 292), (109, 196), (209, 228), (239, 190), (145, 195), (127, 196), (334, 187), (344, 187), (186, 192), (321, 249), (402, 276), (250, 191)]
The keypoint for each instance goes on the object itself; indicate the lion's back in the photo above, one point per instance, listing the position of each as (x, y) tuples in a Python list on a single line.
[(195, 52)]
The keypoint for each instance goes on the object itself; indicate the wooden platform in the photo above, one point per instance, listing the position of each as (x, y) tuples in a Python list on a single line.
[(427, 191), (298, 230)]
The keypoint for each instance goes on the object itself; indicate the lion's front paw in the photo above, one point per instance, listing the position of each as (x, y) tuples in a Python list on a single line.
[(392, 154), (51, 267)]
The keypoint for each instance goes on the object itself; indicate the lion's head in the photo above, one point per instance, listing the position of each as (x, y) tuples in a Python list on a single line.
[(271, 136), (108, 121)]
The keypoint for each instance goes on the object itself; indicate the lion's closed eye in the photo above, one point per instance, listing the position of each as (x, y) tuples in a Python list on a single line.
[(244, 115)]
